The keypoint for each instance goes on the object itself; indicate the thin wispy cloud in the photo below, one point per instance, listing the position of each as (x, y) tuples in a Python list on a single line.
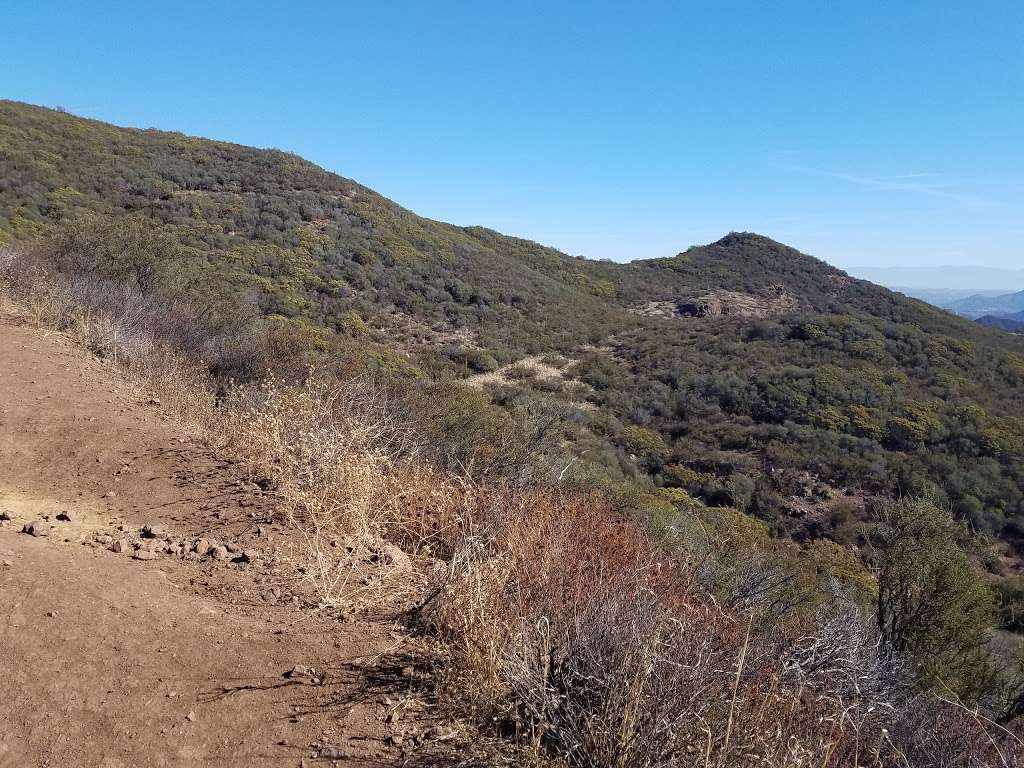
[(917, 183)]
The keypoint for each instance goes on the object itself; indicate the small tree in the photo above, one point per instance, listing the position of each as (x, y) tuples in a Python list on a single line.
[(933, 607)]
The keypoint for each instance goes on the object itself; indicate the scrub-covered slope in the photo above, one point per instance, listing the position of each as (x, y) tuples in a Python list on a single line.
[(741, 372)]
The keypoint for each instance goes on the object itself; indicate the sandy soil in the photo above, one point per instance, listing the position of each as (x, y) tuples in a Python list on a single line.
[(109, 660)]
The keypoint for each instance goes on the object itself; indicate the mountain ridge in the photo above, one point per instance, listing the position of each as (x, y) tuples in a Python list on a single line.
[(740, 358)]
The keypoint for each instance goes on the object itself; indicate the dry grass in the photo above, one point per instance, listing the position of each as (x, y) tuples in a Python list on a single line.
[(571, 633)]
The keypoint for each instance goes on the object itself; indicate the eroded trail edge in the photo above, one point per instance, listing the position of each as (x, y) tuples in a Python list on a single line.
[(151, 608)]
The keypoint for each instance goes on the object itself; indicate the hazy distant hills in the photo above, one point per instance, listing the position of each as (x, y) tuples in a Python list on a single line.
[(981, 293), (1001, 305), (1014, 324), (1010, 322), (944, 282)]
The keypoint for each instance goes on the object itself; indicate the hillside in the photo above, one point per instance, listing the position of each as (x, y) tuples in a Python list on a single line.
[(741, 372)]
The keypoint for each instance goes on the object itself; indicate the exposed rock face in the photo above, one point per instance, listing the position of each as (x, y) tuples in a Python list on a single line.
[(775, 301), (705, 306)]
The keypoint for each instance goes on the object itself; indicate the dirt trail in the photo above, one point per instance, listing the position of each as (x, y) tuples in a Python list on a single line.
[(107, 660)]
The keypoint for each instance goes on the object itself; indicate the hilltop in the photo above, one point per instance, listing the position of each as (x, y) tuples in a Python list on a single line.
[(739, 372)]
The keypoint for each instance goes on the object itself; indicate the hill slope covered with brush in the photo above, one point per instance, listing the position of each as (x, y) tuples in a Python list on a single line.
[(739, 373)]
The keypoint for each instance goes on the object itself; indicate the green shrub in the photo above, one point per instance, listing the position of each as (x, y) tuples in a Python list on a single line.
[(933, 607)]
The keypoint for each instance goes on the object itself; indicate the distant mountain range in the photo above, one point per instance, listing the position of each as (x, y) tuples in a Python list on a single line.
[(995, 307), (948, 282), (943, 297), (1014, 322), (980, 305)]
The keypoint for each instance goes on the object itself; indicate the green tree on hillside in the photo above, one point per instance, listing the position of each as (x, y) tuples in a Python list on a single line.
[(933, 607)]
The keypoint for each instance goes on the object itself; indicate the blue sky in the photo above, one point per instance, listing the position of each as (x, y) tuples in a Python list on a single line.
[(867, 133)]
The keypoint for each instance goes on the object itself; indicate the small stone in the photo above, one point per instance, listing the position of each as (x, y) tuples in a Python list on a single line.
[(5, 563), (154, 531), (145, 554), (5, 514), (395, 557), (246, 556), (191, 717), (104, 539), (51, 614), (191, 557), (121, 545), (35, 528), (110, 495), (219, 552), (332, 752), (300, 670), (68, 516), (201, 547)]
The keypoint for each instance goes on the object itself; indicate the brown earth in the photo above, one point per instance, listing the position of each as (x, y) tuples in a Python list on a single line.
[(110, 660)]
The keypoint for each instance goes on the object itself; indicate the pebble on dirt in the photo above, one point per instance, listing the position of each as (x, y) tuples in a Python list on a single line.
[(154, 531), (300, 670), (332, 752), (220, 552), (35, 528), (67, 516), (121, 545), (395, 557)]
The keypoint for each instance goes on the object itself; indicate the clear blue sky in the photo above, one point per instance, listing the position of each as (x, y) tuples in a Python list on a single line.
[(864, 132)]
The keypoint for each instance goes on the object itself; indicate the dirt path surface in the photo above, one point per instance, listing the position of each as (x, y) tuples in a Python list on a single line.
[(161, 656)]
